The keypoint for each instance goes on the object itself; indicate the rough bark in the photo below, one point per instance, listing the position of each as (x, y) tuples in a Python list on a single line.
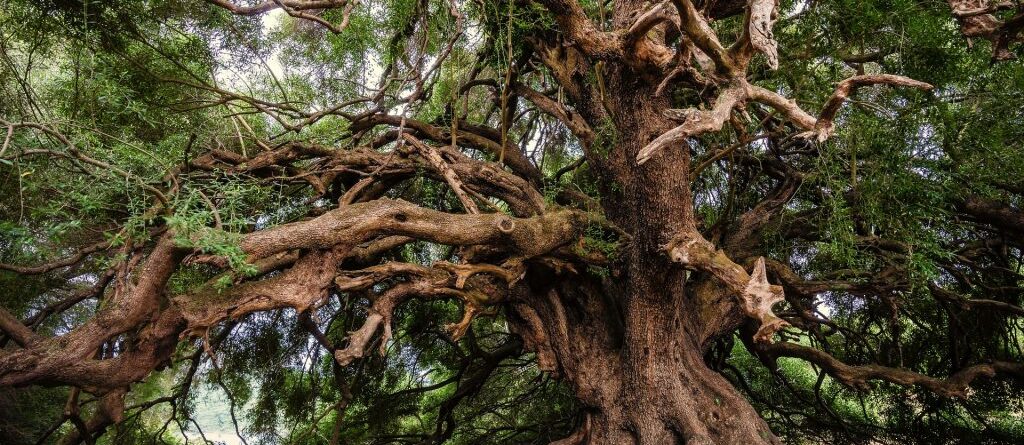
[(631, 349), (631, 345)]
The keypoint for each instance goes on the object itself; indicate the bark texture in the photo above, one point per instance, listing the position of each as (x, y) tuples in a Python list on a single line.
[(631, 343)]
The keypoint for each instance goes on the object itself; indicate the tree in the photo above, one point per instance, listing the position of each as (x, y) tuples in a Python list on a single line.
[(637, 199)]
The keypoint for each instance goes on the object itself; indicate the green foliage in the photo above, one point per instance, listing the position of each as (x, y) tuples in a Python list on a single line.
[(118, 79)]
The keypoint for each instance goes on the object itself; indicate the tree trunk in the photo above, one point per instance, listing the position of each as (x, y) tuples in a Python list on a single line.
[(640, 376), (631, 346)]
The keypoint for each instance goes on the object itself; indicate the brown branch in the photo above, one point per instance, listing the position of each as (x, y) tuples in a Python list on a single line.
[(573, 21), (997, 214), (354, 224), (65, 262), (72, 153), (577, 125), (487, 177), (449, 175), (787, 107), (67, 358), (268, 5), (425, 282), (696, 27), (823, 126), (977, 19), (370, 253), (18, 332), (466, 136), (955, 385), (757, 34), (756, 296), (659, 13), (59, 307), (971, 303), (696, 122), (328, 238), (297, 13)]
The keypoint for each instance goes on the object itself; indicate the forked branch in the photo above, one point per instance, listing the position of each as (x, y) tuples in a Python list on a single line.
[(756, 296)]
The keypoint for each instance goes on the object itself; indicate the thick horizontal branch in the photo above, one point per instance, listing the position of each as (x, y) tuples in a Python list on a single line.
[(268, 5), (328, 238), (999, 215), (356, 223)]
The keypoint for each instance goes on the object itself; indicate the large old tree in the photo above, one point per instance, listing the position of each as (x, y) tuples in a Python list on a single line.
[(494, 221)]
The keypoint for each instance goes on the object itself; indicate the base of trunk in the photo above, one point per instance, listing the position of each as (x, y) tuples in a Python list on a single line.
[(647, 385), (672, 405)]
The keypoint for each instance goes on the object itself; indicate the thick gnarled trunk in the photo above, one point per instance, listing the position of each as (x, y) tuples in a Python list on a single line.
[(639, 373), (631, 346), (670, 395)]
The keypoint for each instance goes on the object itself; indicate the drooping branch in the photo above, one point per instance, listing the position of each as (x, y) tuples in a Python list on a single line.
[(64, 262), (824, 125), (955, 385), (72, 153), (268, 5)]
